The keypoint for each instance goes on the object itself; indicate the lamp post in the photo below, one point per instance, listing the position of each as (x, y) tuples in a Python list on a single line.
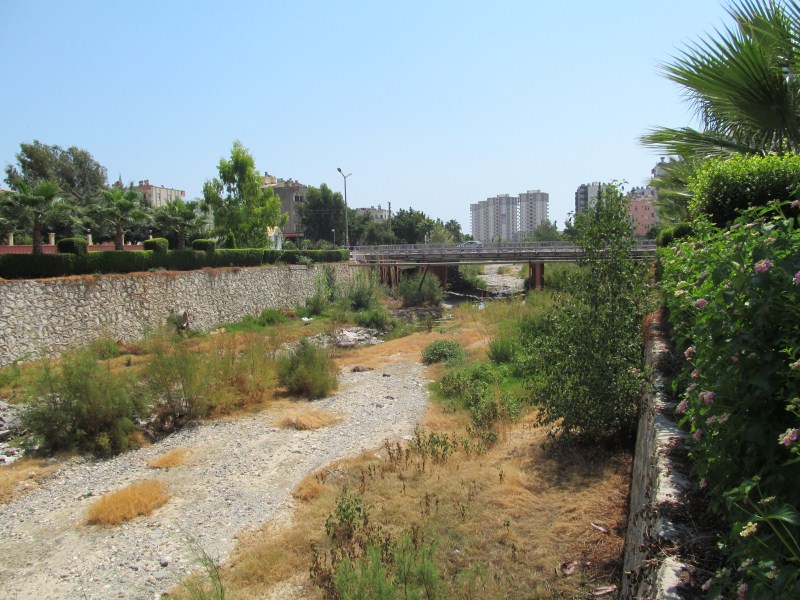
[(346, 224), (333, 231)]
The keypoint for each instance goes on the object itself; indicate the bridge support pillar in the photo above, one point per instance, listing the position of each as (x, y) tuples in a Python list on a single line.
[(536, 274)]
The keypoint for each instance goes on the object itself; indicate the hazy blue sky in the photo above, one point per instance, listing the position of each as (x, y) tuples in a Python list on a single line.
[(432, 105)]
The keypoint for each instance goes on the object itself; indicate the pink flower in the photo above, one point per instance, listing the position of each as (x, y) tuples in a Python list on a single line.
[(742, 591), (707, 397), (688, 353), (795, 203), (701, 302), (697, 435), (680, 293), (735, 358), (681, 408), (797, 278), (712, 420), (692, 387), (763, 266), (789, 436), (695, 373)]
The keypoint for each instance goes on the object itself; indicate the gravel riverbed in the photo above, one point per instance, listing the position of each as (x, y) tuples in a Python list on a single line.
[(239, 475)]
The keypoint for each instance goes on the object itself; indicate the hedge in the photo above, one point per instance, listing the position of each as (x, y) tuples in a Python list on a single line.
[(73, 246), (157, 245), (204, 245), (31, 266), (723, 187)]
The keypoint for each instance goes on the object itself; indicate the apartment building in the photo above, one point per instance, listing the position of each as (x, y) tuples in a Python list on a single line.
[(157, 195), (291, 193), (586, 196), (506, 217), (642, 209), (376, 214), (533, 211)]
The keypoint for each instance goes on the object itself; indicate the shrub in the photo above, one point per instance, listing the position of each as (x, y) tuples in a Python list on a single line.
[(82, 404), (235, 257), (185, 260), (733, 297), (376, 318), (178, 382), (207, 246), (75, 245), (117, 261), (157, 245), (308, 371), (723, 187), (32, 266), (364, 292), (443, 350), (414, 291), (501, 350)]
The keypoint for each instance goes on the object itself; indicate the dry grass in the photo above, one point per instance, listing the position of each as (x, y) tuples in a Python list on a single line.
[(20, 477), (304, 420), (136, 500), (173, 458)]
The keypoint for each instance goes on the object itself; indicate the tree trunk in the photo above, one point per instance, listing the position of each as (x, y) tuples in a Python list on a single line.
[(118, 238), (181, 243), (37, 238)]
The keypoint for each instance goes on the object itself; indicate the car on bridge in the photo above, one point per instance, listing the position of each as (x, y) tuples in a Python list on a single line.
[(471, 244)]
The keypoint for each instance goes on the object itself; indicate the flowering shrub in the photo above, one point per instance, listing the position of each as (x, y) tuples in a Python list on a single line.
[(734, 301)]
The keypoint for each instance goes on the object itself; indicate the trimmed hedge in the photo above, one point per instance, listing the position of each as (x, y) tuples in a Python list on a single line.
[(74, 245), (204, 245), (157, 245), (723, 187), (32, 266)]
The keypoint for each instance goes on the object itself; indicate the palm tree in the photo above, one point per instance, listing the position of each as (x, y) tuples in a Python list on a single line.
[(119, 209), (744, 86), (180, 218), (31, 207)]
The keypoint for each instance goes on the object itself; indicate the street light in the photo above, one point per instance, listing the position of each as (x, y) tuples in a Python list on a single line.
[(333, 231), (346, 224)]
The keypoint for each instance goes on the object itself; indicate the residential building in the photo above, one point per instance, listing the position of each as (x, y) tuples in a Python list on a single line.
[(376, 214), (586, 196), (157, 195), (642, 208), (533, 211), (495, 218), (291, 193)]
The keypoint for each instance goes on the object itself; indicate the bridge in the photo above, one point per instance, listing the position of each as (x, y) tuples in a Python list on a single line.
[(456, 254), (391, 258)]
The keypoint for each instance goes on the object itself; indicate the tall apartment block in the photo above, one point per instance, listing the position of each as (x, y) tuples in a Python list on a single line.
[(585, 196), (506, 217)]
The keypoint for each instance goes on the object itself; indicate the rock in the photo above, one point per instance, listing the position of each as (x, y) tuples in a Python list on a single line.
[(164, 561), (361, 369)]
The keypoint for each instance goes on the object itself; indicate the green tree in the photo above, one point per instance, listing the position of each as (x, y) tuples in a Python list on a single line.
[(440, 234), (743, 84), (322, 212), (411, 226), (584, 358), (180, 218), (546, 231), (118, 209), (243, 211), (31, 207), (377, 233), (454, 227), (674, 194), (76, 173)]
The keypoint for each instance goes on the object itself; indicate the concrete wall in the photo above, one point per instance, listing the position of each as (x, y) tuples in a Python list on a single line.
[(650, 567), (50, 315)]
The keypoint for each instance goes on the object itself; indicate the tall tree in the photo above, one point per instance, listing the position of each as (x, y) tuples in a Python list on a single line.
[(321, 213), (243, 210), (30, 208), (411, 226), (454, 227), (547, 231), (440, 234), (744, 85), (119, 209), (76, 173), (180, 218)]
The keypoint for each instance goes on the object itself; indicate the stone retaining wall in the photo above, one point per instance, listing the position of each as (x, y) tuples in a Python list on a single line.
[(650, 568), (50, 315)]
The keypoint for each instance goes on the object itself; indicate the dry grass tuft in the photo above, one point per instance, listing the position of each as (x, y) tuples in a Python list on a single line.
[(309, 489), (19, 477), (173, 458), (128, 503), (309, 419)]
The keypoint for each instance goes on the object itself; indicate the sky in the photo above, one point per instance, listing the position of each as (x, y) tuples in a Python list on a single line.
[(431, 105)]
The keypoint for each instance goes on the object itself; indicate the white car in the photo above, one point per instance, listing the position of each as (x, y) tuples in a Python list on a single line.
[(471, 244)]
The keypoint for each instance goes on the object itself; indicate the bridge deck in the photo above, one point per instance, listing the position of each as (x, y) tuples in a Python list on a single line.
[(453, 254)]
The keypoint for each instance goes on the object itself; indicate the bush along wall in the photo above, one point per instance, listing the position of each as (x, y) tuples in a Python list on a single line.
[(733, 297), (155, 256)]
